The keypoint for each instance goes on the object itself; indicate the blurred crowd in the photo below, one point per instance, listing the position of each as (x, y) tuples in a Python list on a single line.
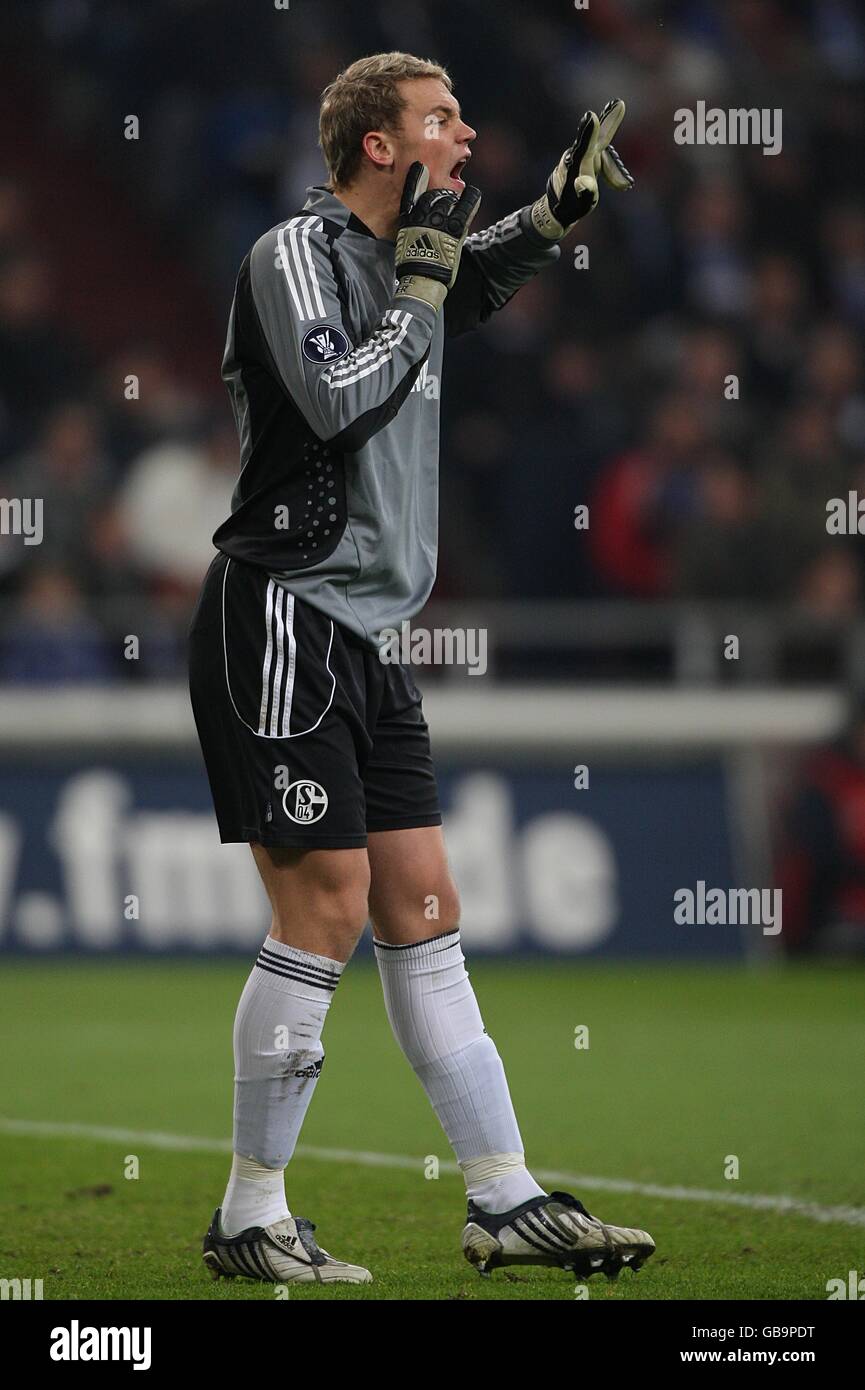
[(820, 847), (700, 385)]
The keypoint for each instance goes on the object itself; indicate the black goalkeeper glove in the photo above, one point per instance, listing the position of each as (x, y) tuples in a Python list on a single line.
[(432, 228), (572, 188)]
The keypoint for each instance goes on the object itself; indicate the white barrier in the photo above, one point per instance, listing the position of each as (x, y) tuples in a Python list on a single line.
[(524, 721), (107, 838)]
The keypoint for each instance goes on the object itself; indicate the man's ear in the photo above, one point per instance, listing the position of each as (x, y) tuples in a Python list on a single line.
[(378, 148)]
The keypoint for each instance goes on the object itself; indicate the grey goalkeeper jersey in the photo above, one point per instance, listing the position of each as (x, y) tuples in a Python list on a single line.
[(335, 388)]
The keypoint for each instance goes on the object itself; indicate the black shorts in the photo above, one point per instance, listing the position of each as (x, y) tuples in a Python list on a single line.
[(309, 740)]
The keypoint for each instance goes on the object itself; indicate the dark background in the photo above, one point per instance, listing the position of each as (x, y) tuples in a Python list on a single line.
[(600, 386)]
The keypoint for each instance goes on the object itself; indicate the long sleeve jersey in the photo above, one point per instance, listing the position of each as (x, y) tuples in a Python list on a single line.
[(335, 388)]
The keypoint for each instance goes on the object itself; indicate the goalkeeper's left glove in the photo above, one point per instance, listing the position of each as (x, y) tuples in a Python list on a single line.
[(572, 188)]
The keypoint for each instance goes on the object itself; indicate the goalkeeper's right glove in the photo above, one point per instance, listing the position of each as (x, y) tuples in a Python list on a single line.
[(607, 159), (432, 228), (572, 188)]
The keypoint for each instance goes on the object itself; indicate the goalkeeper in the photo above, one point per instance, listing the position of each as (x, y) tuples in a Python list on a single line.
[(317, 751)]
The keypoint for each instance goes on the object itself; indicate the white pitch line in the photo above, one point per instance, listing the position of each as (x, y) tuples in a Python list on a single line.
[(184, 1143)]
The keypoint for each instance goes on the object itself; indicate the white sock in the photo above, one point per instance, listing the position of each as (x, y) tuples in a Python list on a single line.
[(436, 1021), (255, 1196), (500, 1182), (277, 1061)]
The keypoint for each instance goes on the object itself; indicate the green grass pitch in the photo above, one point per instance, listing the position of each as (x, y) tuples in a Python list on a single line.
[(685, 1066)]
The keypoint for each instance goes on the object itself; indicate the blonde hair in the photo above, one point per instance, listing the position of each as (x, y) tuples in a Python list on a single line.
[(362, 98)]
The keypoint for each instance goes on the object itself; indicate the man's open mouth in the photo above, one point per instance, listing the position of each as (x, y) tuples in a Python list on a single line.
[(456, 174)]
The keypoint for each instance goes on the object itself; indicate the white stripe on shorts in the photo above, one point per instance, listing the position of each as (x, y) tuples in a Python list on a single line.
[(268, 653)]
